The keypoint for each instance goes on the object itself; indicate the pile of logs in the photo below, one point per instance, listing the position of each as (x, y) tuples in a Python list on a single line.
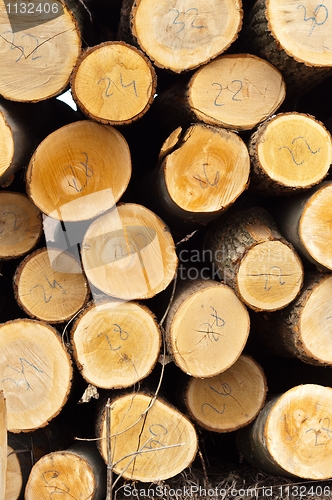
[(165, 250)]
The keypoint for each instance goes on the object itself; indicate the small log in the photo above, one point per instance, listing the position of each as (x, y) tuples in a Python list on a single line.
[(20, 225), (128, 253), (3, 446), (114, 83), (302, 329), (230, 400), (184, 38), (291, 436), (206, 328), (37, 62), (250, 255), (289, 152), (35, 373), (80, 160), (14, 482), (77, 472), (234, 91), (305, 221), (295, 38), (115, 344), (149, 439), (202, 172), (49, 285)]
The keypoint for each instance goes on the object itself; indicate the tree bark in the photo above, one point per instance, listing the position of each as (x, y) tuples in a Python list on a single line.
[(302, 329), (77, 472), (289, 152), (114, 83), (150, 440), (294, 38), (79, 171), (20, 225), (49, 285), (291, 435), (37, 62), (230, 400), (200, 174), (35, 371), (128, 253), (305, 221), (181, 39), (115, 344), (206, 328), (250, 255)]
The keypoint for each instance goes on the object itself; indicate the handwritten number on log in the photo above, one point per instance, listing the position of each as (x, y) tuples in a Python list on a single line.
[(51, 480), (14, 44), (87, 172), (24, 364), (206, 182), (235, 92), (55, 285), (293, 154), (109, 81), (8, 220), (156, 430), (278, 275), (209, 327), (122, 334), (318, 434), (314, 17), (183, 23), (226, 391)]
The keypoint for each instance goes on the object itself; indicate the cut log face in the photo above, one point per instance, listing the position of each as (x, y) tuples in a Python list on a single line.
[(292, 435), (61, 473), (6, 144), (79, 171), (303, 30), (207, 171), (37, 62), (206, 328), (3, 445), (116, 344), (20, 225), (114, 83), (290, 151), (236, 91), (35, 373), (50, 285), (14, 481), (128, 253), (229, 400), (150, 440), (180, 38), (270, 276)]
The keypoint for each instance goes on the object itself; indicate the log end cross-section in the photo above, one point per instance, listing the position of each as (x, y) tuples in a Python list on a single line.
[(35, 373)]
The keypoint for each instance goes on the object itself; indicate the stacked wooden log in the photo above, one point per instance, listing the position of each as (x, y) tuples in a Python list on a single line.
[(181, 217)]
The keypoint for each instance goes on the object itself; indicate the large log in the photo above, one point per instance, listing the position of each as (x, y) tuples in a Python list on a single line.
[(114, 83), (3, 446), (230, 400), (77, 472), (292, 436), (14, 482), (79, 171), (35, 373), (115, 344), (302, 329), (235, 91), (149, 439), (128, 253), (49, 285), (37, 62), (206, 328), (305, 220), (20, 225), (201, 172), (289, 152), (178, 38), (293, 37), (249, 253)]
